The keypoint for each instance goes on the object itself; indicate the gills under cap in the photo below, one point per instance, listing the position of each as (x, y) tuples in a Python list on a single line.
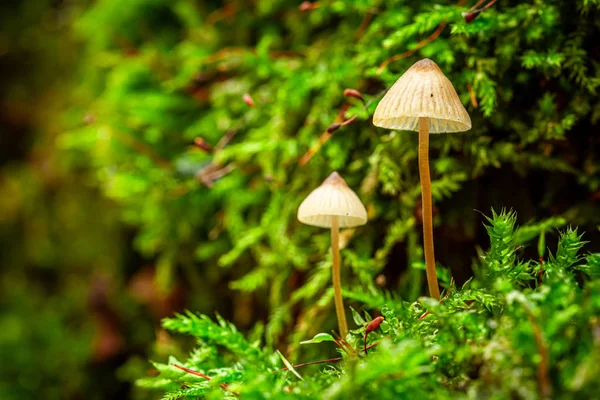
[(422, 91), (332, 198)]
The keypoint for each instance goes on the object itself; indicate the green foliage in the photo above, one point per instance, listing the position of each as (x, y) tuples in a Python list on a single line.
[(175, 88), (568, 248), (501, 256), (222, 334), (160, 87), (486, 339)]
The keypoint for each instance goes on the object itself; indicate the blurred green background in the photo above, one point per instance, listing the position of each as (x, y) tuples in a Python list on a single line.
[(111, 218)]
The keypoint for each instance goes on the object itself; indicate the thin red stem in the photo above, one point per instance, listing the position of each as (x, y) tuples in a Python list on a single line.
[(325, 361), (223, 386), (480, 2)]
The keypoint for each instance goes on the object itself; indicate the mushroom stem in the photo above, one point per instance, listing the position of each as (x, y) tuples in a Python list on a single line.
[(337, 282), (432, 281)]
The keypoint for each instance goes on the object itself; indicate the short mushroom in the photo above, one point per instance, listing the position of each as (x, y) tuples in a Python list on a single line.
[(423, 100), (334, 205)]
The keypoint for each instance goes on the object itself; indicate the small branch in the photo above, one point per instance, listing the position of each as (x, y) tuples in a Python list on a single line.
[(229, 10), (230, 134), (472, 94), (541, 272), (212, 172), (343, 344), (331, 360), (409, 53), (223, 386), (365, 23), (325, 136), (488, 5), (542, 368), (419, 45), (474, 11), (143, 148), (480, 2), (312, 363), (223, 54)]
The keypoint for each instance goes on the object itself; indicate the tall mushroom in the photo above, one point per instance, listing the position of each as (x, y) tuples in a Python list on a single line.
[(423, 100), (334, 205)]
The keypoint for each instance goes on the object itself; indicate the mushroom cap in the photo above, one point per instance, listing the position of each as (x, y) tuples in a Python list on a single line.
[(332, 198), (422, 91)]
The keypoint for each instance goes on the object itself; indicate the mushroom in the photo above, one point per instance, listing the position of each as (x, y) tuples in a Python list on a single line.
[(423, 100), (334, 205)]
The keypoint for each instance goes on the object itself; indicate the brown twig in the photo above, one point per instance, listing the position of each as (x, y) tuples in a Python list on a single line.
[(343, 344), (488, 5), (223, 386), (365, 23), (143, 148), (230, 134), (325, 136), (442, 299), (474, 11), (419, 45), (212, 172), (542, 368), (324, 361), (330, 360), (223, 53), (476, 5), (472, 94), (541, 272), (409, 53), (229, 10)]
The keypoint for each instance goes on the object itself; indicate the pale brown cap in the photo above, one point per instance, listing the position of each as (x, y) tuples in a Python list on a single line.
[(423, 91), (332, 198)]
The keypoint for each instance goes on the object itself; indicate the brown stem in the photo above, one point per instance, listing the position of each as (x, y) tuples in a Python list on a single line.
[(409, 53), (324, 361), (480, 2), (488, 5), (542, 369), (541, 272), (223, 386), (337, 282), (325, 136), (336, 359), (419, 45), (432, 281), (365, 22), (472, 94)]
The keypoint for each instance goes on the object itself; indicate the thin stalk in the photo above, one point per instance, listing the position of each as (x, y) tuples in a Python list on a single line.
[(223, 386), (325, 361), (544, 380), (432, 281), (337, 282)]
